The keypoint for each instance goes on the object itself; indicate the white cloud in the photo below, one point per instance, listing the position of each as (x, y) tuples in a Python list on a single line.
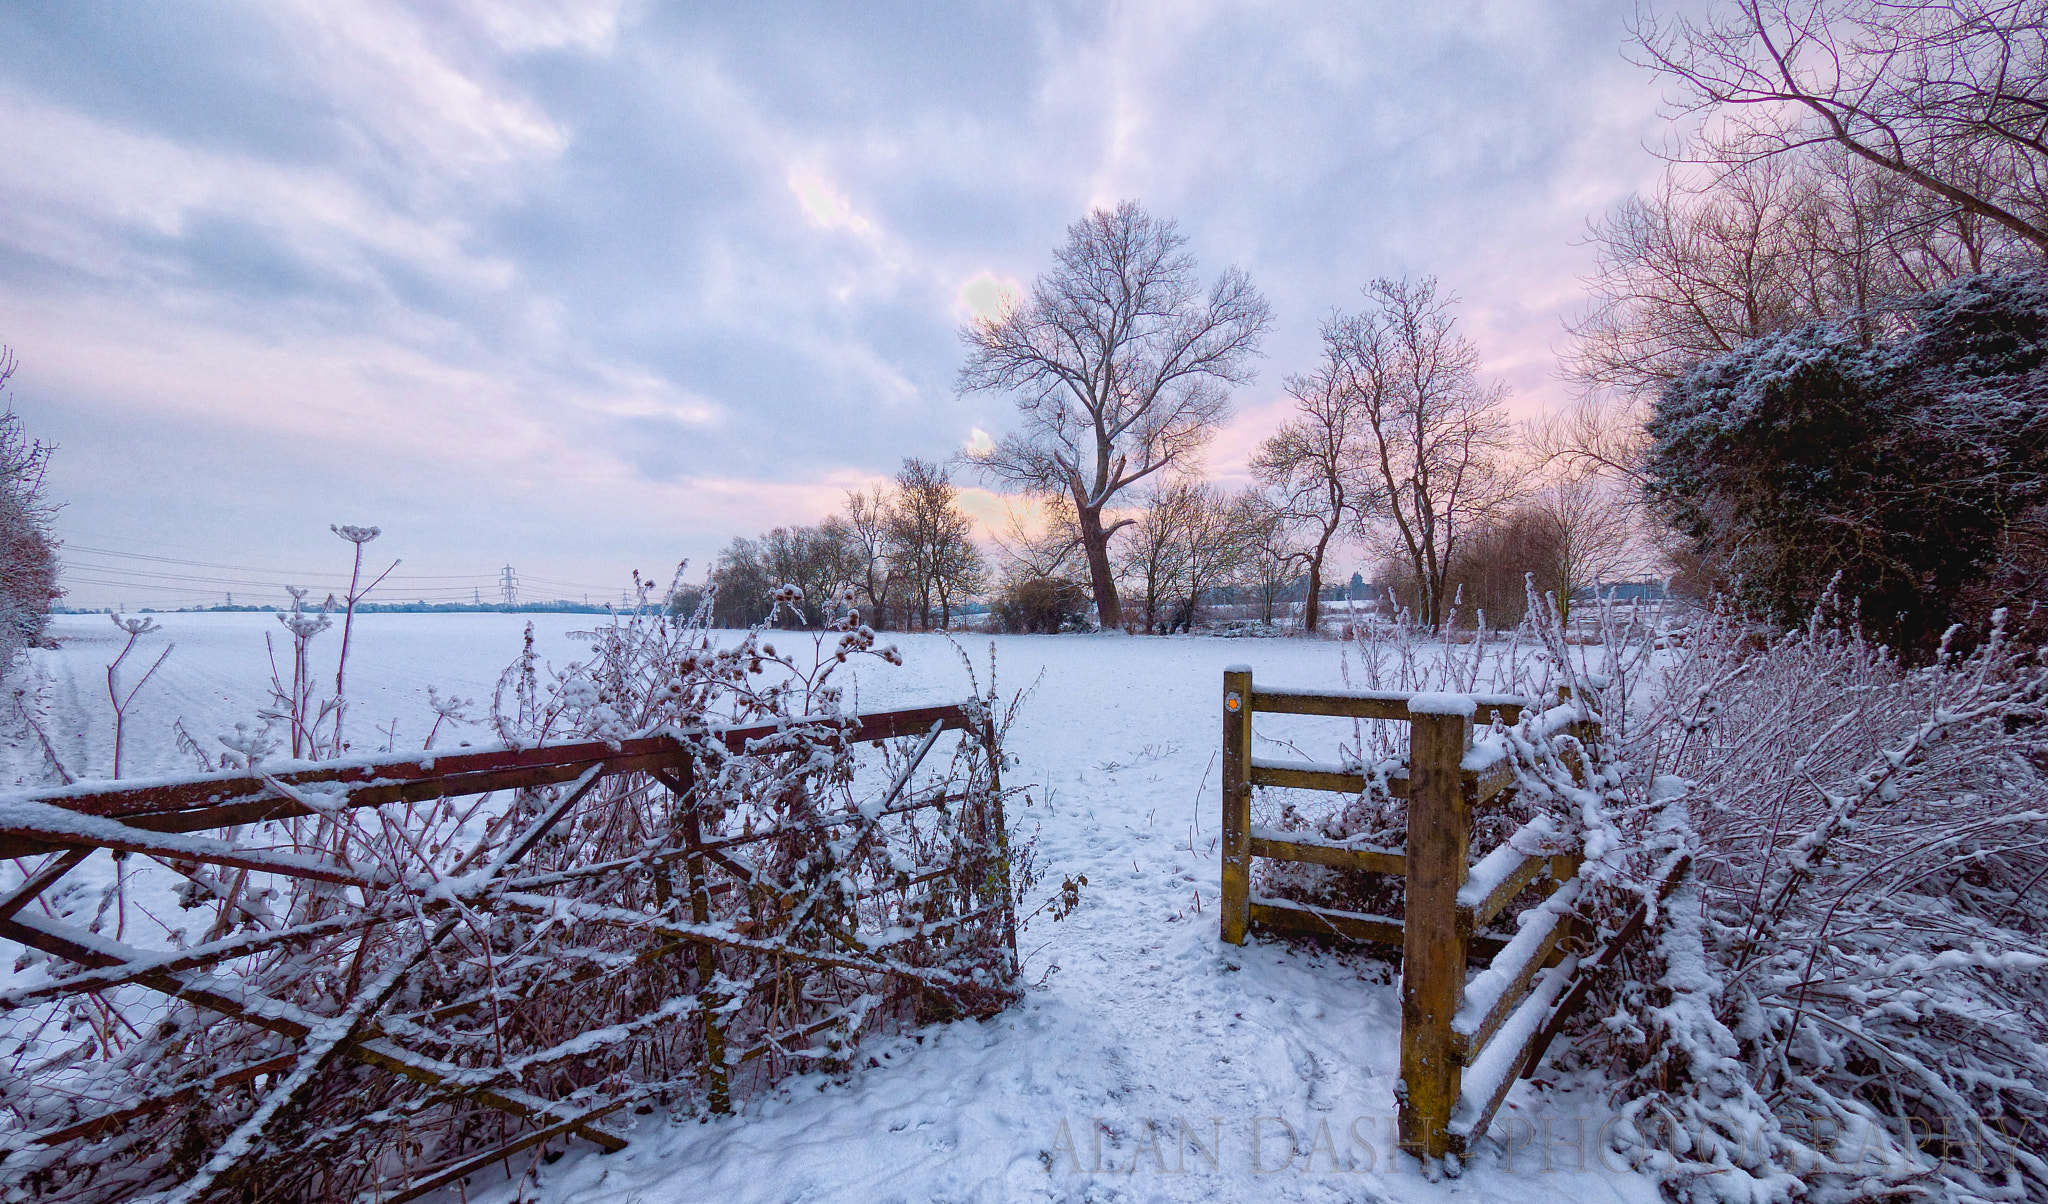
[(684, 272), (522, 26), (826, 207), (406, 93)]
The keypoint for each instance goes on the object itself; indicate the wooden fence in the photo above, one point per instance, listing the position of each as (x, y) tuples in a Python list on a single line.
[(724, 923), (1463, 1039)]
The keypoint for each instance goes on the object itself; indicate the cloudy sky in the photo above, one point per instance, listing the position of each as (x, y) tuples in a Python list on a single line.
[(590, 287)]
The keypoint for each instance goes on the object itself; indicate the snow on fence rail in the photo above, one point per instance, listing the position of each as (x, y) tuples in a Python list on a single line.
[(645, 920), (1463, 1042)]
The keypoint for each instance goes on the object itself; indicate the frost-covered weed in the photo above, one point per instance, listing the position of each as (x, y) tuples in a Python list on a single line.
[(1534, 662), (570, 980)]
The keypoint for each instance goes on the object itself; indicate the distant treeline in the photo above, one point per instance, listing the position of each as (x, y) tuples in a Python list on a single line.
[(900, 556), (400, 608)]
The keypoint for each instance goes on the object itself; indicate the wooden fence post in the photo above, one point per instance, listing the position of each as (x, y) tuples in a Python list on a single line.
[(1236, 907), (1433, 948), (705, 956), (992, 740)]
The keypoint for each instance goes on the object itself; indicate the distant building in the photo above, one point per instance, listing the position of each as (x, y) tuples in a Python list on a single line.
[(1625, 591)]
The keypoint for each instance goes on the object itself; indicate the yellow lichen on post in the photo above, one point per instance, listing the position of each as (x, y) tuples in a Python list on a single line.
[(1236, 909)]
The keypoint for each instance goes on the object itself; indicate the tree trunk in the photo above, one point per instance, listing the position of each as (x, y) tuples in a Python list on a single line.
[(1312, 606), (1095, 542), (1312, 610), (1428, 589)]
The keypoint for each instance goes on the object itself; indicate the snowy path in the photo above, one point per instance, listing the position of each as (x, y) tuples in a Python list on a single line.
[(1143, 1015)]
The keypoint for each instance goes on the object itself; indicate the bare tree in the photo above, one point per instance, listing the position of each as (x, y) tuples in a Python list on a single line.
[(1435, 436), (1684, 275), (1317, 463), (1950, 98), (820, 561), (1041, 537), (1223, 532), (1152, 558), (1190, 539), (1597, 437), (1274, 552), (960, 570), (1120, 364), (1570, 537), (1591, 536), (867, 524), (1489, 577), (741, 585), (1852, 152), (1697, 269), (931, 541)]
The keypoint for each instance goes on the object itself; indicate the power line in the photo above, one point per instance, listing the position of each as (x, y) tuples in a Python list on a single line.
[(208, 564), (243, 568), (279, 577), (91, 565), (205, 585)]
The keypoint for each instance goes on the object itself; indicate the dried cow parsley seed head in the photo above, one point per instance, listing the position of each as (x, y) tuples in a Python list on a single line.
[(356, 535)]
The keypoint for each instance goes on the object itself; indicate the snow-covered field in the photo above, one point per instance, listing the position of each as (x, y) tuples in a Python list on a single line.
[(1142, 1029)]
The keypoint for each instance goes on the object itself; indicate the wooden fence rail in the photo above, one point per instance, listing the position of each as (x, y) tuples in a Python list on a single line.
[(1464, 1039), (699, 915)]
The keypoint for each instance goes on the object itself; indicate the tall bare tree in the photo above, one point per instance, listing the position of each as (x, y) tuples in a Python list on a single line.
[(1120, 364), (1317, 463), (1948, 97), (1435, 435)]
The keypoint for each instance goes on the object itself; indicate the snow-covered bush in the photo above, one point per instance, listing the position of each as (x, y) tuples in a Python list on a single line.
[(1028, 604), (1915, 468), (1846, 1001), (28, 556)]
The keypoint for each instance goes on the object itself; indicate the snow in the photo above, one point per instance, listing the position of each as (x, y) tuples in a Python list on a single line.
[(1333, 768), (1488, 760), (1496, 1061), (1485, 989), (1501, 864), (1443, 704), (1264, 832), (1137, 1013)]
